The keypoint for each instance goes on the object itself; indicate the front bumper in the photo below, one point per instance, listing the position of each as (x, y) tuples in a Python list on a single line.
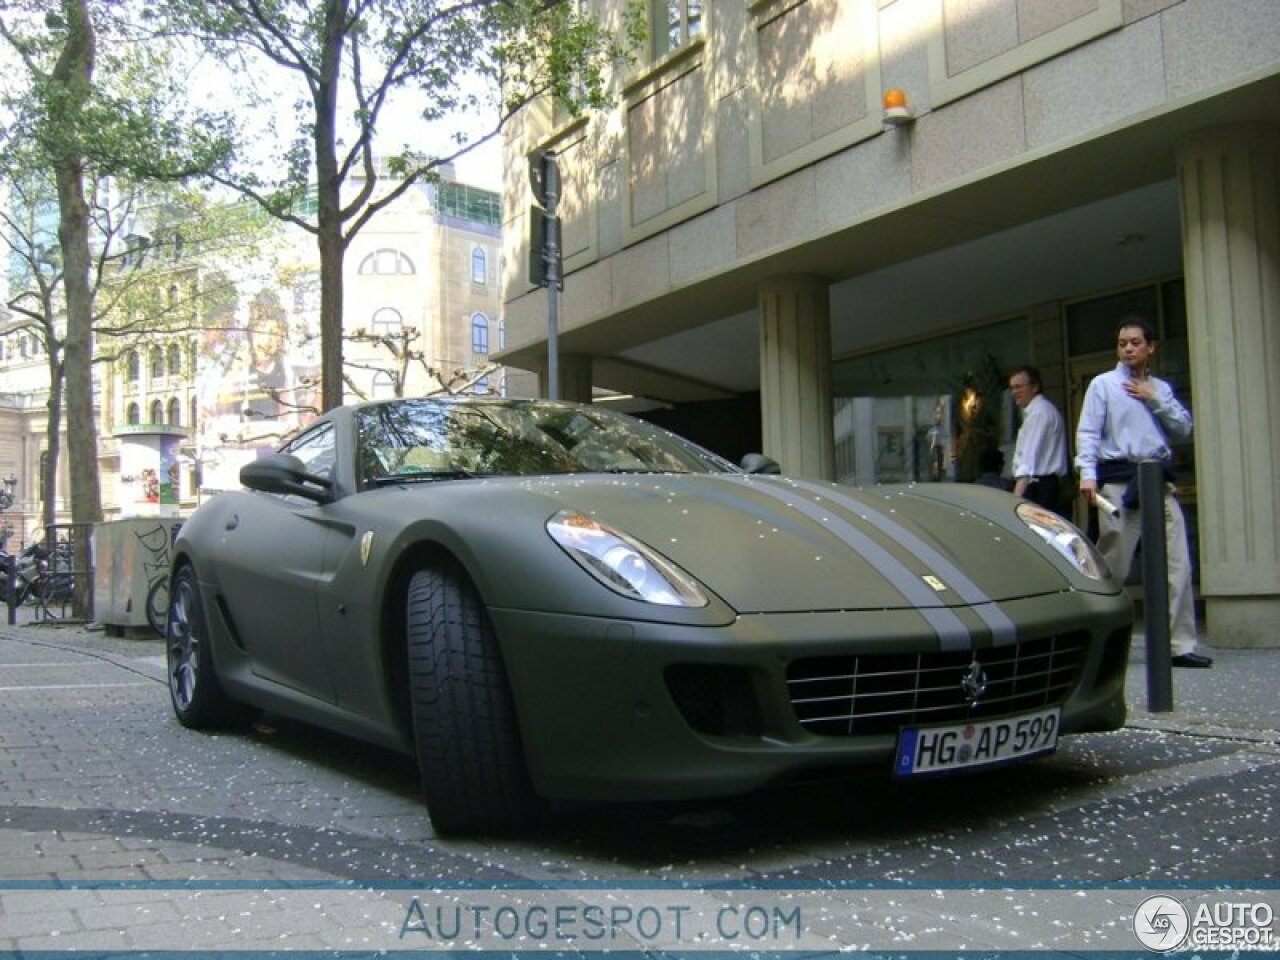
[(613, 710)]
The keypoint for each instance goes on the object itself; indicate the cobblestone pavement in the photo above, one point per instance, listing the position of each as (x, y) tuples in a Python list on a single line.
[(120, 830)]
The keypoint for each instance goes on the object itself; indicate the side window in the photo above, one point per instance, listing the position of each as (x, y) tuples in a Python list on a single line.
[(316, 450)]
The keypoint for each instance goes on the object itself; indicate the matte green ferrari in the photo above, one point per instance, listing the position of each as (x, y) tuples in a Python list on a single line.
[(544, 601)]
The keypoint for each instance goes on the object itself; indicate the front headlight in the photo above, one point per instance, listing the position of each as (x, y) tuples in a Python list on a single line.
[(623, 564), (1065, 538)]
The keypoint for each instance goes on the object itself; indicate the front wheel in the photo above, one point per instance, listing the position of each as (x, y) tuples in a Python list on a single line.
[(465, 729), (197, 696)]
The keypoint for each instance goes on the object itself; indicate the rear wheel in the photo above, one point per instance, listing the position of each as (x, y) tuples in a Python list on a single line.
[(196, 694), (465, 730)]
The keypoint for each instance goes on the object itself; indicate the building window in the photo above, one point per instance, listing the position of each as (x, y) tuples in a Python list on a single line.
[(674, 23), (175, 360), (175, 412), (479, 266), (384, 385), (480, 334), (481, 386), (386, 262), (157, 412), (132, 414), (387, 320), (133, 366), (157, 363), (191, 414)]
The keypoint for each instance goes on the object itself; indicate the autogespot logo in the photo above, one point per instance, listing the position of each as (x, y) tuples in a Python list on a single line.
[(1160, 923)]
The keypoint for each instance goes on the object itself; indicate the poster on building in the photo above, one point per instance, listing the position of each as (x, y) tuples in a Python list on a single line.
[(257, 382), (149, 464)]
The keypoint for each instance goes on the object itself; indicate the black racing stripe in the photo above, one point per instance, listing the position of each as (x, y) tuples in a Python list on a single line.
[(1003, 631), (951, 631)]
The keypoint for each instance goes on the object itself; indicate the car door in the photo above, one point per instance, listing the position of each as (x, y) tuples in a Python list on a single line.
[(271, 563)]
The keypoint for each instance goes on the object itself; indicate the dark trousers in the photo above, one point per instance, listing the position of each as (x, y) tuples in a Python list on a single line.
[(1047, 491)]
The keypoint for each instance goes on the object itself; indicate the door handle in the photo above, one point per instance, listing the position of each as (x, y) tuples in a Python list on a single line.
[(233, 521)]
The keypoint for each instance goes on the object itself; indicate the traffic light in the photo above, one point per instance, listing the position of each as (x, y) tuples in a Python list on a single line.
[(544, 225), (537, 246), (544, 178)]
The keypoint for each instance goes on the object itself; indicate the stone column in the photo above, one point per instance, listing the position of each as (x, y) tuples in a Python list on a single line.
[(795, 375), (1229, 180)]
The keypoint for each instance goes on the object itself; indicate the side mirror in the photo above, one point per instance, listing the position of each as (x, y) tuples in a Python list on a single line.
[(284, 473), (759, 463)]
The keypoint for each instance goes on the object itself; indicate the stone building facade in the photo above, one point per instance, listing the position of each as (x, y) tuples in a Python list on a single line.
[(757, 232)]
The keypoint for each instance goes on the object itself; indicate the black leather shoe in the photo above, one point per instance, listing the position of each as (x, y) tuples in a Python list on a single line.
[(1192, 660)]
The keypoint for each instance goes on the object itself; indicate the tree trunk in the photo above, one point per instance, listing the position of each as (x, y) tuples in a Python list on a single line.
[(329, 214), (53, 440), (72, 77), (332, 251)]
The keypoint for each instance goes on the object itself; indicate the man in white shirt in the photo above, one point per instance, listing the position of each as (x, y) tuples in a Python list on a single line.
[(1040, 454), (1130, 416)]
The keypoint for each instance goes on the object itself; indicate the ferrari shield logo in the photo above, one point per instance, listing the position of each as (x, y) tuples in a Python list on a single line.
[(366, 547), (974, 683)]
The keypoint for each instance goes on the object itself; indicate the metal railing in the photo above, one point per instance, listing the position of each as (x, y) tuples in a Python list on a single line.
[(66, 596)]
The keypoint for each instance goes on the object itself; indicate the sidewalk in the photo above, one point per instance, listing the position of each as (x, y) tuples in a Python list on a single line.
[(1237, 697)]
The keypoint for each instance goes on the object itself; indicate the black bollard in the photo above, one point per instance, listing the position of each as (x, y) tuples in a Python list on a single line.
[(1155, 586)]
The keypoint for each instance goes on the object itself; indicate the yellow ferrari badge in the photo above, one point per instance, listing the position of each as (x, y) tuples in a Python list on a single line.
[(366, 547)]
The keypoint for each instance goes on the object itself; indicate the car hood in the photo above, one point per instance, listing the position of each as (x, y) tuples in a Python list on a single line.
[(774, 545)]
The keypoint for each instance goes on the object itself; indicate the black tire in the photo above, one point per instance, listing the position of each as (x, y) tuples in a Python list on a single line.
[(464, 720), (158, 605), (194, 690)]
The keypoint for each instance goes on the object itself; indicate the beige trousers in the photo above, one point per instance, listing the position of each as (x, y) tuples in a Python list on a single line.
[(1117, 540)]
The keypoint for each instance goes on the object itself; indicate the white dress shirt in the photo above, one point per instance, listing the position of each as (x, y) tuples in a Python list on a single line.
[(1041, 449)]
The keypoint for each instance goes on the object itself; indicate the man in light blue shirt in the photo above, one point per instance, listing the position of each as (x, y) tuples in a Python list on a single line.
[(1130, 416)]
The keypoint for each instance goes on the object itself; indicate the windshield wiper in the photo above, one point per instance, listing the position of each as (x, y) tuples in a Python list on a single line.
[(421, 476), (636, 470)]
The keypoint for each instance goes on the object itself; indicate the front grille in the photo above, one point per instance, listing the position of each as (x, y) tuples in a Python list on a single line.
[(857, 695)]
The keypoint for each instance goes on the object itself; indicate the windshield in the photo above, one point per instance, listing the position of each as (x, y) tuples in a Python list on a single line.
[(408, 440)]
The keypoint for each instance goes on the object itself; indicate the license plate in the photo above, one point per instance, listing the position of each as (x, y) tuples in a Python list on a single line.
[(964, 746)]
